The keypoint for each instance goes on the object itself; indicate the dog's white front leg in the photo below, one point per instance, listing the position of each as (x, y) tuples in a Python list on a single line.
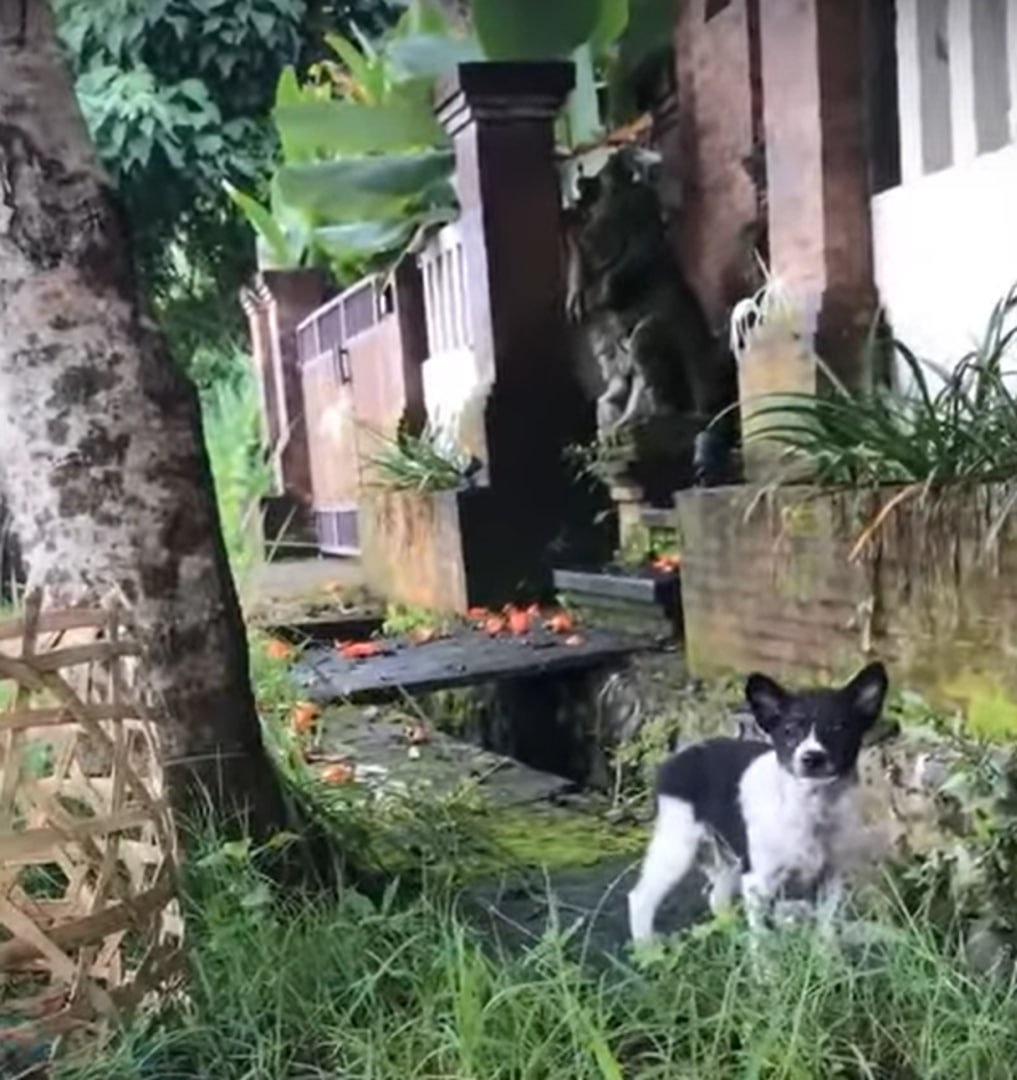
[(725, 881), (830, 896), (758, 891)]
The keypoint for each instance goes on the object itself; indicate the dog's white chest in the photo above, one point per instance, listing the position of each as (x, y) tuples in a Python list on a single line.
[(793, 828)]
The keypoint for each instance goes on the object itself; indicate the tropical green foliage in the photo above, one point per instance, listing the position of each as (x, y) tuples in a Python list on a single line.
[(365, 168), (947, 425), (174, 93), (231, 416), (177, 95), (533, 29)]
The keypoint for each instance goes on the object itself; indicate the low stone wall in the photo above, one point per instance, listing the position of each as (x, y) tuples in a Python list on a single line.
[(810, 585)]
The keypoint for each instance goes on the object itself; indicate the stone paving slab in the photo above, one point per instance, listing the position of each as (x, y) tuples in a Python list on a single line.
[(383, 755)]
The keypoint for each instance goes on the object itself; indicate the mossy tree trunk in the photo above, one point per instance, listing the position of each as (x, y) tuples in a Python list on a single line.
[(105, 473)]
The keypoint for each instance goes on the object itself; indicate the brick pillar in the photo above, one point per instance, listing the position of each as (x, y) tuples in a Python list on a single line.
[(712, 161), (817, 169), (500, 117), (290, 296), (255, 303)]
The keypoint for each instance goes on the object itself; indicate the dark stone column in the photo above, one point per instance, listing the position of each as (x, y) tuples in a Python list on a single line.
[(820, 232), (501, 120)]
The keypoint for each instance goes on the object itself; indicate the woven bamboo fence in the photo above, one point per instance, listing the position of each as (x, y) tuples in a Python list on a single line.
[(89, 923)]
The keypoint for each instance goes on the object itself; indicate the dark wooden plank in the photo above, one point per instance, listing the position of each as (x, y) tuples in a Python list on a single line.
[(463, 660)]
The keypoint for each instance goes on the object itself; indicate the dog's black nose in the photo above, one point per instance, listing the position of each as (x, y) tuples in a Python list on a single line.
[(814, 761)]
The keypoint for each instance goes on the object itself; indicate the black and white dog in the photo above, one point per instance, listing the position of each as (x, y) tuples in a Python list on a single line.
[(773, 815)]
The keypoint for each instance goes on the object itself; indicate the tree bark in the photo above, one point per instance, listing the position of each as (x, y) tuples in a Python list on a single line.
[(105, 472)]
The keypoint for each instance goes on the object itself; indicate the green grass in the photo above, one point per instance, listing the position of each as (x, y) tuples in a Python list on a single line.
[(299, 987), (294, 986), (411, 986)]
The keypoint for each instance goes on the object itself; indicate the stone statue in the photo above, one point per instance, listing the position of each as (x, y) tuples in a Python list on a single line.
[(662, 373)]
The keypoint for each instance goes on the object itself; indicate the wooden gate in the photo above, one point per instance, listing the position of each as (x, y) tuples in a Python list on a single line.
[(360, 357), (323, 343)]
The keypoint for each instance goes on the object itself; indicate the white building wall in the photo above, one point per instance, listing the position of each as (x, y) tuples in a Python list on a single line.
[(945, 239)]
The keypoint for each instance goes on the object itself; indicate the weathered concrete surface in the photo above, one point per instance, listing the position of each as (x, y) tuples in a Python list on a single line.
[(297, 591), (593, 899)]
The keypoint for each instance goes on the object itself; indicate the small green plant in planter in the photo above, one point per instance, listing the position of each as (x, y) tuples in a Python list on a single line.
[(637, 549), (964, 430), (955, 425), (424, 462)]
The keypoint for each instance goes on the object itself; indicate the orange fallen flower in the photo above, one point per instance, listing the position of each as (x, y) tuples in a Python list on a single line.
[(518, 621), (667, 563), (478, 614), (338, 774), (357, 650), (303, 717), (279, 650), (560, 623), (494, 625)]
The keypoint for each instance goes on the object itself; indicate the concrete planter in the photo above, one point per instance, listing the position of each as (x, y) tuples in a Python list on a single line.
[(412, 548), (445, 550)]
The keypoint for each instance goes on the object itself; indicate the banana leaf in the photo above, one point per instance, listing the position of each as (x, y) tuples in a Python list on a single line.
[(348, 127), (430, 56), (278, 247), (534, 29), (363, 188), (614, 18)]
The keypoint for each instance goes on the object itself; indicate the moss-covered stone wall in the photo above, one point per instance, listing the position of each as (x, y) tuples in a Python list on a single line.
[(810, 585)]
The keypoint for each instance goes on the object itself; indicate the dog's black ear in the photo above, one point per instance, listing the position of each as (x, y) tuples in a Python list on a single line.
[(767, 699), (866, 692)]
